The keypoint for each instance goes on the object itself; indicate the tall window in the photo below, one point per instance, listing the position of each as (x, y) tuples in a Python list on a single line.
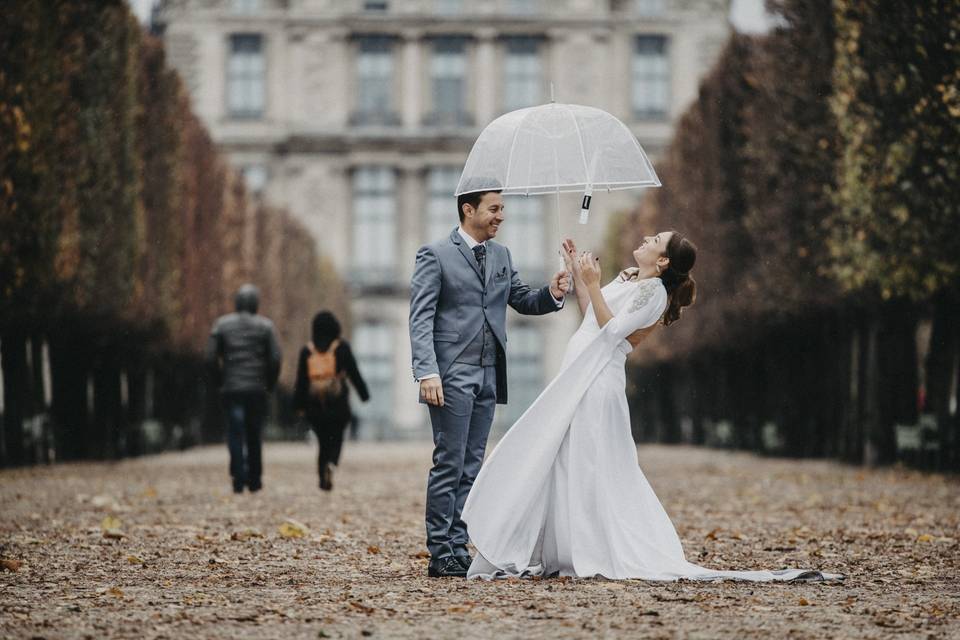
[(448, 70), (441, 203), (522, 74), (522, 232), (246, 76), (448, 7), (522, 7), (651, 78), (649, 8), (376, 6), (373, 345), (245, 6), (525, 366), (375, 82), (255, 176), (374, 226)]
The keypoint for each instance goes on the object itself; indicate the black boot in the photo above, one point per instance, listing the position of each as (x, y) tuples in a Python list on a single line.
[(446, 567)]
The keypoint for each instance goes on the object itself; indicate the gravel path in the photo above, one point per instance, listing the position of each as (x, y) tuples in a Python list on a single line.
[(160, 548)]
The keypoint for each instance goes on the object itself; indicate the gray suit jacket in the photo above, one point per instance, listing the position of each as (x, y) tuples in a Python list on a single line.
[(449, 301)]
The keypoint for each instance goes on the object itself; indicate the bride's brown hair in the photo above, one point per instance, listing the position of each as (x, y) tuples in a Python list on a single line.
[(680, 285)]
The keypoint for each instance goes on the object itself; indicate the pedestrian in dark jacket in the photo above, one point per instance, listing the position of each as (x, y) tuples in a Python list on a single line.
[(321, 394), (243, 357)]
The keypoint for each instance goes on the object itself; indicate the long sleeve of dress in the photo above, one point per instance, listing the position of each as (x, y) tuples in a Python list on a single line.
[(644, 309), (348, 365)]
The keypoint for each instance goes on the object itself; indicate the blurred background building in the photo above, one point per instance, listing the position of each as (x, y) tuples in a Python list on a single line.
[(357, 116)]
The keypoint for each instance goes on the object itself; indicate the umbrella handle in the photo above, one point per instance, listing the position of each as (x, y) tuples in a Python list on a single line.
[(585, 205)]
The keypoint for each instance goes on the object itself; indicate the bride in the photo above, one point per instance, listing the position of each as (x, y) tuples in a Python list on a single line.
[(562, 494)]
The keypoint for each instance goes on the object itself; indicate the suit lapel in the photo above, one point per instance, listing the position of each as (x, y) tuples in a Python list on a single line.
[(492, 265), (467, 253)]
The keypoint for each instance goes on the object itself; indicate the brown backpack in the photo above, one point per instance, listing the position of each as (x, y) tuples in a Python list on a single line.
[(325, 382)]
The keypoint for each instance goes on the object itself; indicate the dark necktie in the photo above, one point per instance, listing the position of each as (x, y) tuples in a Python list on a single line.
[(480, 253)]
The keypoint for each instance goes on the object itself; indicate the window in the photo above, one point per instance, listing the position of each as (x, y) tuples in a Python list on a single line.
[(448, 69), (651, 78), (441, 203), (375, 82), (525, 369), (376, 6), (373, 347), (374, 226), (522, 75), (246, 71), (448, 7), (522, 232), (522, 7), (649, 8), (255, 177), (245, 6)]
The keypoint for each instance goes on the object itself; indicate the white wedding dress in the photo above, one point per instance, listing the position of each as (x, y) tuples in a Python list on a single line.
[(562, 493)]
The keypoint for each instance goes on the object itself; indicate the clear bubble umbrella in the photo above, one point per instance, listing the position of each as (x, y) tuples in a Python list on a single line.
[(556, 148)]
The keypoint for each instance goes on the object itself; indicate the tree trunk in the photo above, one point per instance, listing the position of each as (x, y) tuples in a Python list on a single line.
[(136, 413), (107, 402), (941, 368), (69, 360), (13, 359)]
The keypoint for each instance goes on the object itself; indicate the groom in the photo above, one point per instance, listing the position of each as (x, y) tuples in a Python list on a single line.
[(460, 290)]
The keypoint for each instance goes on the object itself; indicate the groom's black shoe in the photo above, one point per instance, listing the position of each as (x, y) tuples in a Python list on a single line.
[(446, 567), (464, 560)]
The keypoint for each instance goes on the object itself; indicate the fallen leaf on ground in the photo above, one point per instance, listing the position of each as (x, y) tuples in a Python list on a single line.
[(111, 528), (246, 534), (373, 549), (10, 565), (292, 529)]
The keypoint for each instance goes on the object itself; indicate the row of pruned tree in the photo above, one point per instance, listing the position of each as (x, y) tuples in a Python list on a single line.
[(123, 235), (818, 172)]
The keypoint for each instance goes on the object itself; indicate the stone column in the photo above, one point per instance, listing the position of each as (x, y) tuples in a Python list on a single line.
[(486, 79), (411, 89)]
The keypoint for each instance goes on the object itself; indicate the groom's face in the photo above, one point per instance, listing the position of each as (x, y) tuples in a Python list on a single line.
[(485, 220)]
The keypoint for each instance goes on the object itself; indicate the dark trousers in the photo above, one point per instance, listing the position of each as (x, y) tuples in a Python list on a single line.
[(460, 430), (329, 430), (245, 413)]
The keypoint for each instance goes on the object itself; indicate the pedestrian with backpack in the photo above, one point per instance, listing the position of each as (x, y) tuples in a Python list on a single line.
[(321, 395)]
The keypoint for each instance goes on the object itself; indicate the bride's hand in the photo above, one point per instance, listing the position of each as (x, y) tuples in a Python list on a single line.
[(589, 268), (569, 254)]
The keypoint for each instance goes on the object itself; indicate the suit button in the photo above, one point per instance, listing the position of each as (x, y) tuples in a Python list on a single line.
[(484, 306)]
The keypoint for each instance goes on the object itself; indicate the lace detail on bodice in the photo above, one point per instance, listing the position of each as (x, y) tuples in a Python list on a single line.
[(644, 292)]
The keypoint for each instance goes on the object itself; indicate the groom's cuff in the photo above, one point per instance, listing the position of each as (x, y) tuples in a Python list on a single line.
[(559, 302), (427, 377)]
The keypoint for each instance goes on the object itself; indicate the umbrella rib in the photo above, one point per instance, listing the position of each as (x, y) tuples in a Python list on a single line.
[(513, 143), (643, 155), (583, 153)]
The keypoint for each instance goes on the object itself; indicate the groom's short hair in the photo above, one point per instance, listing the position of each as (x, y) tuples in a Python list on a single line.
[(473, 199)]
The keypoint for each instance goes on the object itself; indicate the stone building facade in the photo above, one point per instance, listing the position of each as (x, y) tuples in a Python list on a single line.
[(357, 116)]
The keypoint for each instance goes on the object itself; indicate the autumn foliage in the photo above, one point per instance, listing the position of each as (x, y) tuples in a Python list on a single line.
[(817, 171), (123, 235)]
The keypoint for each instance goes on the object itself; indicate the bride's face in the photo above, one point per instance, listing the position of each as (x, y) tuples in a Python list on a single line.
[(652, 250)]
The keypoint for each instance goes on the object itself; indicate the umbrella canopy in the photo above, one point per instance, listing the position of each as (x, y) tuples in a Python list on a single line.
[(554, 148)]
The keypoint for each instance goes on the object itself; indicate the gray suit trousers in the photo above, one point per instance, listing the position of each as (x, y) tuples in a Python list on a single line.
[(460, 430)]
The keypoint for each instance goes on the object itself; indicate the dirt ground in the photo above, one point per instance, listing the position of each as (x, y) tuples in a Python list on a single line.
[(159, 547)]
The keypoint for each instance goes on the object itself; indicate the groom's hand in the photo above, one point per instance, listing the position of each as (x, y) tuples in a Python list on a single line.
[(560, 284), (431, 390)]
